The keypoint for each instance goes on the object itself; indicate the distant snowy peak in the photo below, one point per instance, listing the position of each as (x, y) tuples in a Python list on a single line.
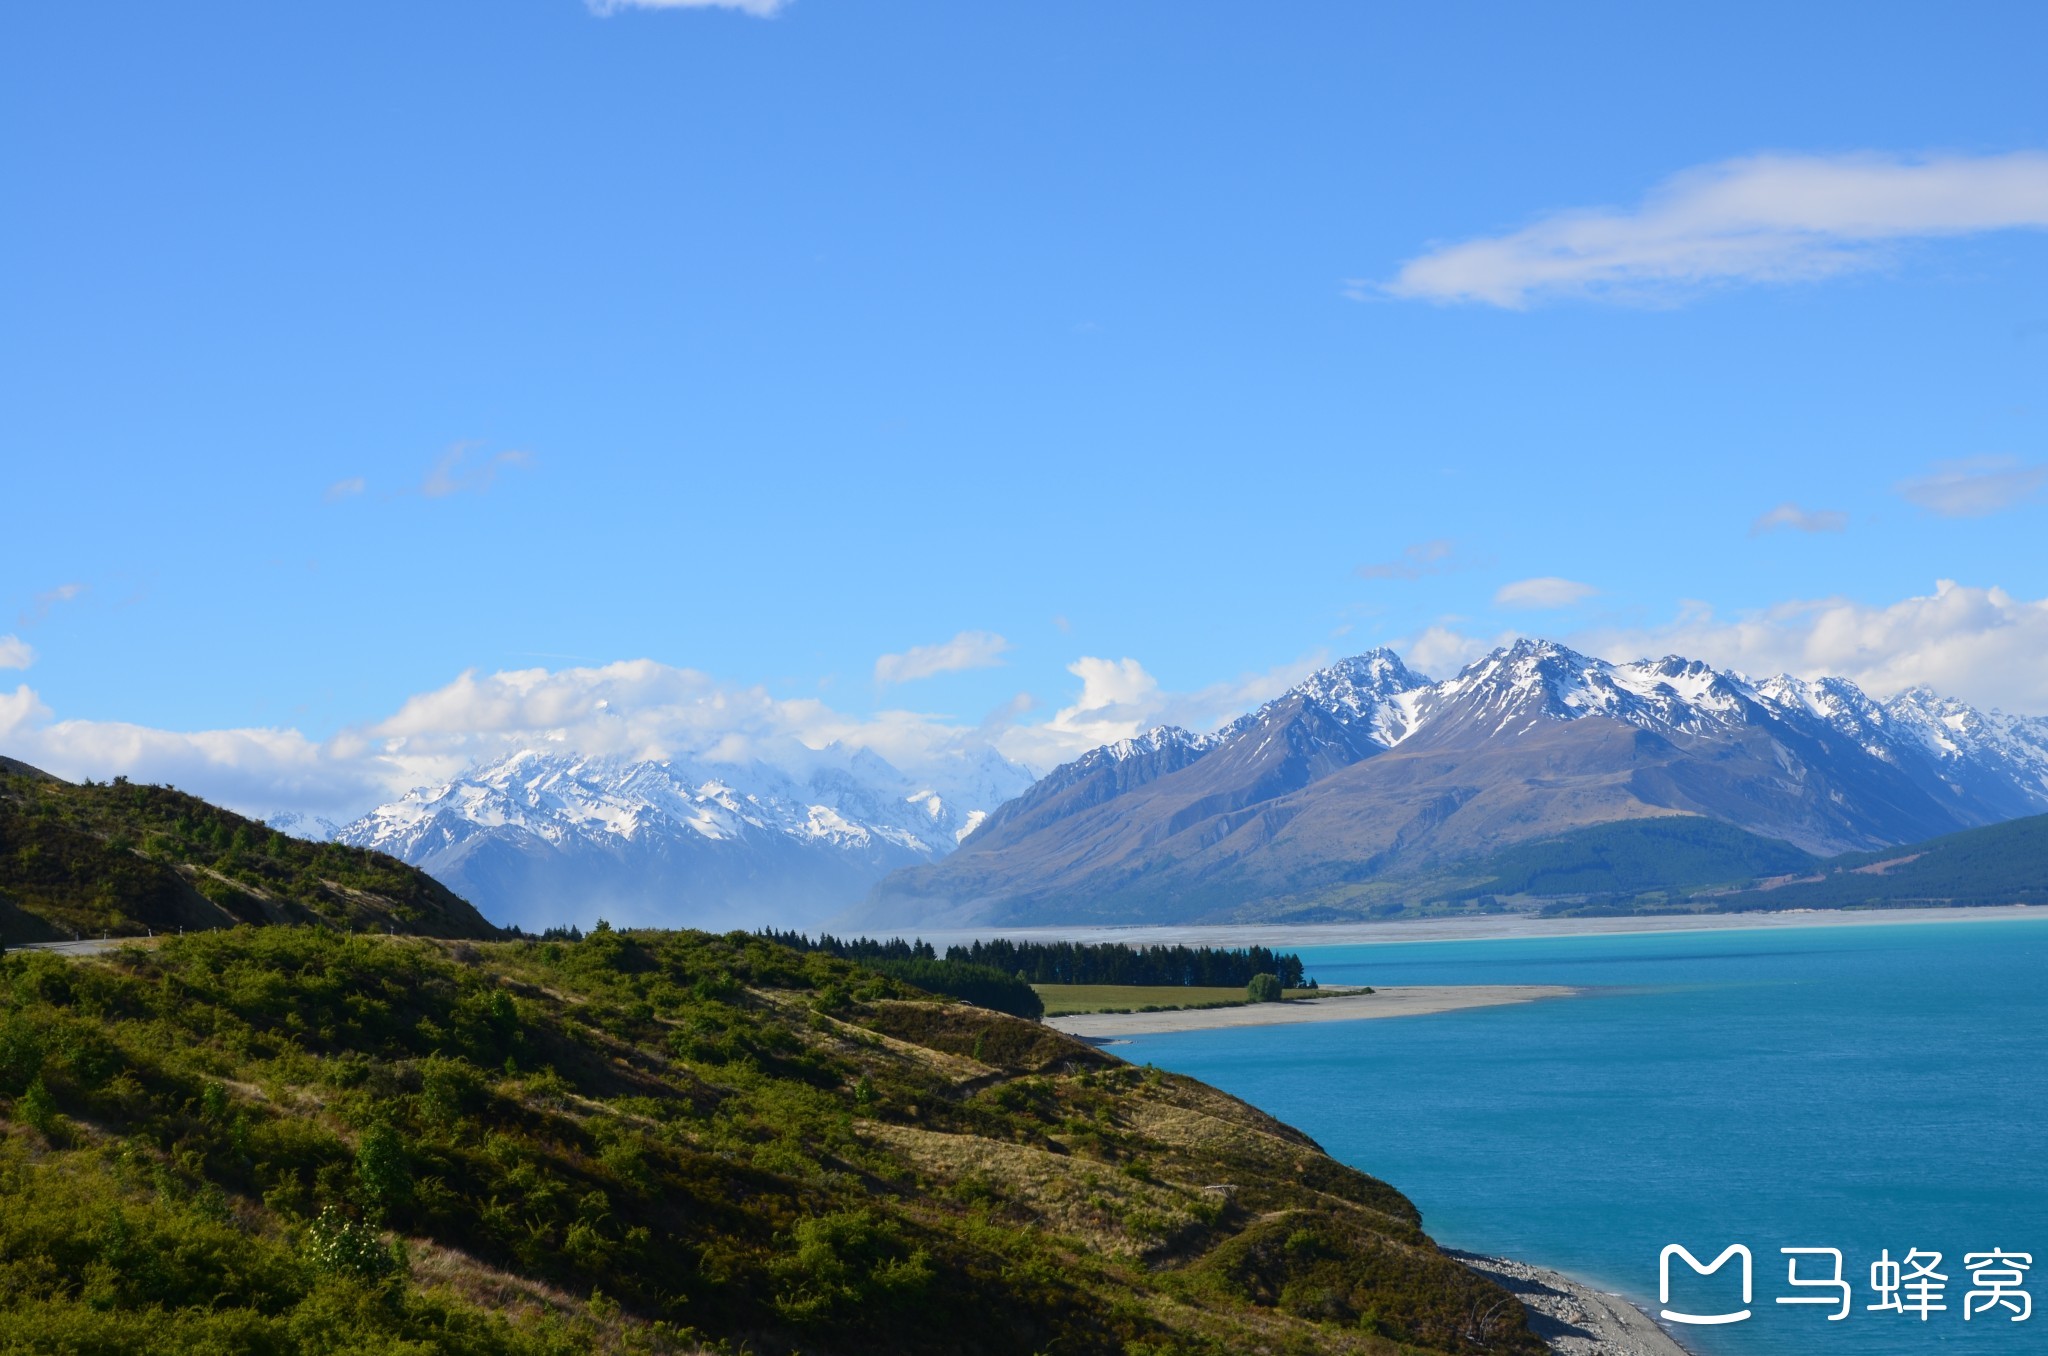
[(1517, 686), (1952, 732), (1160, 749), (1370, 695), (858, 804), (1360, 686), (310, 827), (1159, 739)]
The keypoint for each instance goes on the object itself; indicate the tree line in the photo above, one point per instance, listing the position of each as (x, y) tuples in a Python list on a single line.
[(1074, 962)]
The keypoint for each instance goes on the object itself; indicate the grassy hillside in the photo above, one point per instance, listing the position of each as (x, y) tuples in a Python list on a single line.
[(1695, 865), (1668, 853), (124, 859), (293, 1140), (1998, 864)]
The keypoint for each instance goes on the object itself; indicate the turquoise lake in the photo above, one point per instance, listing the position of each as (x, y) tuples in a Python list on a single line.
[(1855, 1087)]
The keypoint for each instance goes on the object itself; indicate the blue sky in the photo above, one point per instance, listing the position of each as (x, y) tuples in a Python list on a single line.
[(1100, 363)]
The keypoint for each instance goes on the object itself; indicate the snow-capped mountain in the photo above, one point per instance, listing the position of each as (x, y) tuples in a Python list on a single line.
[(537, 839), (1368, 771), (1374, 694), (317, 828), (1992, 766)]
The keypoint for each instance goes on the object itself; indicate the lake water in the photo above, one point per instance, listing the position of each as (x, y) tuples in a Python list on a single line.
[(1861, 1088)]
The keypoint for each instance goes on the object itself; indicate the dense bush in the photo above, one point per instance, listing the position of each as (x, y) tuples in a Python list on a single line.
[(977, 984), (124, 858), (291, 1140)]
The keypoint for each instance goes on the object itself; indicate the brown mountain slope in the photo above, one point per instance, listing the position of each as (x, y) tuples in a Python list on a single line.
[(1333, 799), (1206, 843)]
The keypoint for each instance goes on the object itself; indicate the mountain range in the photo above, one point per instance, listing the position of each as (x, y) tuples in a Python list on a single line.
[(1370, 787), (1366, 788), (537, 838)]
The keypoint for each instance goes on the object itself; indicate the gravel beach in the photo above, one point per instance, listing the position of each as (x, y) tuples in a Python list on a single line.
[(1575, 1319)]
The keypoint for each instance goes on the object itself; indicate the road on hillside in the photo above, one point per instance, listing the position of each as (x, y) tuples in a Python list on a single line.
[(86, 948)]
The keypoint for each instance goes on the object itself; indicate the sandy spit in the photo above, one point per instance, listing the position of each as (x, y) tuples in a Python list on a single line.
[(1415, 1001), (1574, 1318)]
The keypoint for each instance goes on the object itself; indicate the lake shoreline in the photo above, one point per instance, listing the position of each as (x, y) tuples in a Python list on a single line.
[(1572, 1317), (1486, 928), (1414, 1000)]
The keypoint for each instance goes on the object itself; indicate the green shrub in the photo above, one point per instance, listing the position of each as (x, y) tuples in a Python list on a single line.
[(336, 1245), (982, 985), (1263, 989)]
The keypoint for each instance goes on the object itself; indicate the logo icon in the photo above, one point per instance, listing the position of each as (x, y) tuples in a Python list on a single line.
[(1664, 1282)]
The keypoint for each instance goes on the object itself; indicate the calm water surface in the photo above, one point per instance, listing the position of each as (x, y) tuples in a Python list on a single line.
[(1862, 1088)]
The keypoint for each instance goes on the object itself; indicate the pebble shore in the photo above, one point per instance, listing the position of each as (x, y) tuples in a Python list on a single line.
[(1575, 1319)]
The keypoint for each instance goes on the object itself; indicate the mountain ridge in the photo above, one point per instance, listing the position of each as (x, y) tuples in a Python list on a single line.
[(1367, 773), (540, 838), (124, 859)]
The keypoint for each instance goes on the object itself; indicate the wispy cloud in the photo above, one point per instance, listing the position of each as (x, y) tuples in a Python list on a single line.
[(1120, 699), (43, 603), (464, 469), (16, 653), (1763, 219), (1438, 556), (1442, 649), (633, 708), (1542, 594), (1008, 714), (1980, 644), (968, 650), (760, 9), (1789, 517), (344, 489), (1975, 486)]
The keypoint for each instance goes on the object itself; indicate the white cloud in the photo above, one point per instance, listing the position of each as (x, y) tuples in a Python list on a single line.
[(16, 653), (1543, 594), (344, 489), (1790, 517), (760, 9), (635, 708), (1009, 713), (1120, 700), (1763, 219), (1440, 650), (461, 471), (19, 710), (40, 607), (1424, 557), (968, 650), (1975, 486), (1980, 644)]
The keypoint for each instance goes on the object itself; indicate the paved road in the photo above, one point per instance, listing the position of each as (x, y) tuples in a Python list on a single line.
[(86, 948)]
